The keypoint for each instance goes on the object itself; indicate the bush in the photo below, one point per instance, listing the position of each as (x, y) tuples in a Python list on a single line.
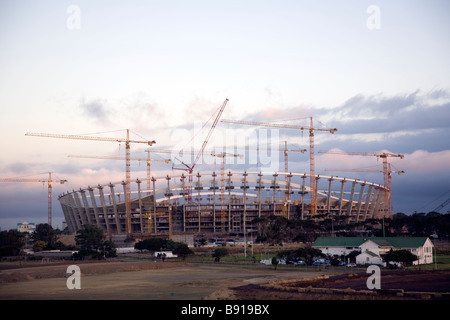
[(219, 253)]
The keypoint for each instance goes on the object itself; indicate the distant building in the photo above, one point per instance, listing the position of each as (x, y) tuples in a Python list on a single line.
[(372, 249), (29, 227)]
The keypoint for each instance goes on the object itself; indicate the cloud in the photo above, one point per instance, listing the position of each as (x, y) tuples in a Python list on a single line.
[(381, 114), (97, 111)]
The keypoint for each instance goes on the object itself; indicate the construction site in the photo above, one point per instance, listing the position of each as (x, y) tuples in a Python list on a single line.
[(221, 203)]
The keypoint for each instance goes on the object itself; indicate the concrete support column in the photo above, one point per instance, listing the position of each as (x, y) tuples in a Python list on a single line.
[(316, 188), (274, 186), (116, 211), (75, 213), (94, 206), (245, 174), (79, 208), (289, 195), (141, 221), (154, 220), (230, 187), (360, 196), (260, 187), (375, 203), (303, 196), (105, 209), (86, 206), (199, 209), (68, 213), (183, 182), (214, 200), (350, 202), (330, 182), (341, 197), (367, 201)]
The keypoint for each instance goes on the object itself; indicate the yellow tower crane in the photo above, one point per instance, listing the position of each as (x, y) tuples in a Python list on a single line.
[(127, 142), (49, 187), (311, 129)]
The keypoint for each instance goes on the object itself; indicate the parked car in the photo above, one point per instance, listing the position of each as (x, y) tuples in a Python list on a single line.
[(321, 263), (351, 265), (300, 263)]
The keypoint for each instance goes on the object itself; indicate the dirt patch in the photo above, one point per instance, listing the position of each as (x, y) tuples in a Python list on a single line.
[(58, 270), (139, 280), (406, 285)]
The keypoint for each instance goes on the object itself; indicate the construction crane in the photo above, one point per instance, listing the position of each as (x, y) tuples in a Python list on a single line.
[(311, 148), (286, 159), (49, 182), (442, 205), (389, 185), (222, 169), (386, 171), (148, 160), (190, 168), (285, 150), (127, 142)]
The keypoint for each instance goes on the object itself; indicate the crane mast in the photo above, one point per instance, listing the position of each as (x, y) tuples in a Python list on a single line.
[(311, 129), (190, 168), (49, 187), (386, 172), (127, 142)]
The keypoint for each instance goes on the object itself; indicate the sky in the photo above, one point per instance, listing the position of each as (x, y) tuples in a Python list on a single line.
[(378, 71)]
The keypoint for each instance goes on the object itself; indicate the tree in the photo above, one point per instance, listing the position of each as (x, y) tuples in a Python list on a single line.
[(307, 254), (403, 256), (90, 237), (91, 241), (153, 244), (182, 250), (109, 249), (39, 245), (275, 262), (219, 253), (45, 232), (11, 242)]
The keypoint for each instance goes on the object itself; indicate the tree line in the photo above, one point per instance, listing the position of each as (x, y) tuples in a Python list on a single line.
[(278, 229)]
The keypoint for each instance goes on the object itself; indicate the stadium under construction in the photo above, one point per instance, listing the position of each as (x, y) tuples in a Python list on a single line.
[(220, 204)]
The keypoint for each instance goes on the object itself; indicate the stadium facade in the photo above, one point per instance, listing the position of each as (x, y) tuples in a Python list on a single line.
[(220, 203)]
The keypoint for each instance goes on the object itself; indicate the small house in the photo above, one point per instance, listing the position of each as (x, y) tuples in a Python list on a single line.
[(372, 249)]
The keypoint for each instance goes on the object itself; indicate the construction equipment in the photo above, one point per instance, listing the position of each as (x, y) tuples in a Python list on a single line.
[(190, 168), (49, 187), (286, 159), (127, 142), (442, 205), (148, 160), (311, 148), (285, 150), (222, 170), (386, 171)]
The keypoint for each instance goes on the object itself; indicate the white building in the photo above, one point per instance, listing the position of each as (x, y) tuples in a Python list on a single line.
[(29, 227), (166, 254), (372, 249)]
